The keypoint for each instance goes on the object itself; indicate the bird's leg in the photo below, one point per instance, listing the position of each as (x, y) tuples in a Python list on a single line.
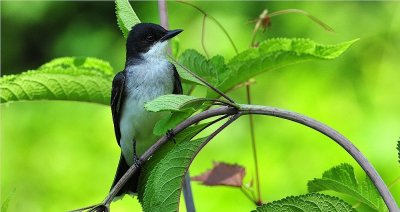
[(135, 156), (171, 135)]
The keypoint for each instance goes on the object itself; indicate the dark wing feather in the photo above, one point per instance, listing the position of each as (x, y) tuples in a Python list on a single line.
[(117, 96), (177, 82)]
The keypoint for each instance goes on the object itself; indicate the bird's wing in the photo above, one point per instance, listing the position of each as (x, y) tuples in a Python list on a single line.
[(117, 94), (177, 82)]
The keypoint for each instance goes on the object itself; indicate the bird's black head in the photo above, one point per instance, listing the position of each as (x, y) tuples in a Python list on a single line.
[(148, 38)]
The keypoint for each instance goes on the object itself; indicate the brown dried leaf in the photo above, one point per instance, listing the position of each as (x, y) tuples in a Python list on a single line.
[(223, 174)]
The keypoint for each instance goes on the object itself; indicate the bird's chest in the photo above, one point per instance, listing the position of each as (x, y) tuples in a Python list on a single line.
[(145, 82), (149, 80)]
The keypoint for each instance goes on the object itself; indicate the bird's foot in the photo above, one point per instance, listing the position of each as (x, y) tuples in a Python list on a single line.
[(171, 135), (136, 161)]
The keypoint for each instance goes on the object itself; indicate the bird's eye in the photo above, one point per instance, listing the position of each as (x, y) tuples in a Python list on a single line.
[(150, 38)]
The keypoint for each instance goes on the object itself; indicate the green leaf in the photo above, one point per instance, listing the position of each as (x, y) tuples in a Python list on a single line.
[(161, 178), (209, 70), (126, 17), (170, 102), (277, 53), (313, 202), (342, 179), (69, 78), (186, 77), (170, 121), (190, 132), (182, 106), (270, 55)]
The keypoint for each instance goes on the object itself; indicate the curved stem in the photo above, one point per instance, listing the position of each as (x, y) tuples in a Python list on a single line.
[(337, 137), (213, 101), (215, 21), (276, 112), (203, 29), (313, 18), (226, 33)]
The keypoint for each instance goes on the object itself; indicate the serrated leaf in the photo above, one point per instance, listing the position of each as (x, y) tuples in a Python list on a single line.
[(170, 102), (186, 77), (181, 106), (160, 183), (276, 53), (342, 179), (209, 70), (126, 16), (270, 55), (68, 78), (313, 202), (190, 132)]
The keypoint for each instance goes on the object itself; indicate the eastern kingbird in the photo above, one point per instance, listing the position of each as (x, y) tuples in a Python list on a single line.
[(147, 75)]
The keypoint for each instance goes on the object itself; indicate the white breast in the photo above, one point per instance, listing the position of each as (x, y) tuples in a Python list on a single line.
[(144, 82)]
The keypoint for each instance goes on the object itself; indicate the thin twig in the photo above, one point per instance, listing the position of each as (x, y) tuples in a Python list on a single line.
[(214, 102), (248, 195), (223, 126), (315, 19), (215, 21), (162, 11), (263, 21), (203, 27), (187, 193), (253, 147), (202, 80)]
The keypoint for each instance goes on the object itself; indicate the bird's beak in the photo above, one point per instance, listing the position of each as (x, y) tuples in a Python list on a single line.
[(170, 34)]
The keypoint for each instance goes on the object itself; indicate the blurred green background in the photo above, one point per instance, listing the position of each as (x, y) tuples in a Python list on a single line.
[(58, 156)]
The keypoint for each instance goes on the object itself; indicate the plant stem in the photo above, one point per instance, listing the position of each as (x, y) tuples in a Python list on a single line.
[(162, 11), (338, 138), (253, 146), (247, 195), (313, 18), (187, 189), (203, 81), (215, 21), (267, 111), (188, 194), (202, 36), (213, 101)]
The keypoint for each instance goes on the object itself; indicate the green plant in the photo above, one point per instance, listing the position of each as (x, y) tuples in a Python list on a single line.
[(89, 80)]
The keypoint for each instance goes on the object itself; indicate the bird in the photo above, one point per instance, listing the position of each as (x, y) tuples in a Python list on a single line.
[(147, 75)]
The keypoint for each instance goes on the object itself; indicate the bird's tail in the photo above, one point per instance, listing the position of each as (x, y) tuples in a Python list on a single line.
[(130, 186)]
